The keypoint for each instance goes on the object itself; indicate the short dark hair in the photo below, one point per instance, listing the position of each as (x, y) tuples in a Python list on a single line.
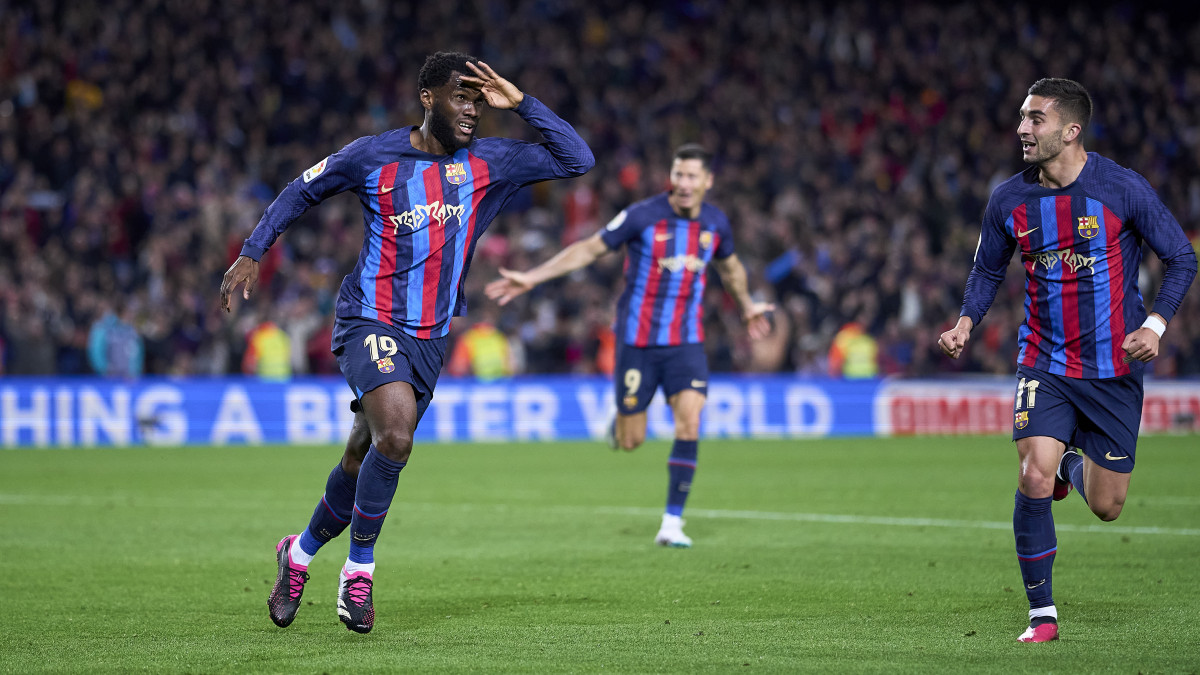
[(1073, 101), (440, 65), (695, 151)]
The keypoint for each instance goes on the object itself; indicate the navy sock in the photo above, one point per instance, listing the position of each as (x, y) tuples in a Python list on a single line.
[(1074, 471), (333, 512), (681, 466), (1033, 525), (376, 486)]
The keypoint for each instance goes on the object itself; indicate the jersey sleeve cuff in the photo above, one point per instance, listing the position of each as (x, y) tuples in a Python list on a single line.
[(1164, 311), (253, 252)]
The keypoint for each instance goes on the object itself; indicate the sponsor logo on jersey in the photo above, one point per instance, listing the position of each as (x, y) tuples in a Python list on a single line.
[(663, 237), (1022, 419), (1069, 258), (315, 170), (1089, 226), (456, 174), (436, 213), (705, 239), (678, 262), (385, 364)]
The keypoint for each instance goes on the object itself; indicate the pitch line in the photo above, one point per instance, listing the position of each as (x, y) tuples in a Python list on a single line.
[(51, 500), (878, 520)]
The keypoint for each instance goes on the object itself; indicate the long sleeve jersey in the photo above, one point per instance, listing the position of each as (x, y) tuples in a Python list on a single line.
[(1081, 247), (422, 214)]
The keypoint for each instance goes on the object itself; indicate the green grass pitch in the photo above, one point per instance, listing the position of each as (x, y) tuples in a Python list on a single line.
[(848, 555)]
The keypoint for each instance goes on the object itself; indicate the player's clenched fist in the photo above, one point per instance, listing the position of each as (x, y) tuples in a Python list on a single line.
[(954, 340)]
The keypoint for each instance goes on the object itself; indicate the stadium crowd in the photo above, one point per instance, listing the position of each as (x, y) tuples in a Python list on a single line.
[(856, 146)]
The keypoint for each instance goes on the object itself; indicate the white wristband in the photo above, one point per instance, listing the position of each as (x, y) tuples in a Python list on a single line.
[(1155, 324)]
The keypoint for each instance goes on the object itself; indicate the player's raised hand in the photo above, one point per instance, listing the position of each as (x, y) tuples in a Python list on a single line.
[(243, 270), (756, 319), (510, 284), (497, 91), (955, 340)]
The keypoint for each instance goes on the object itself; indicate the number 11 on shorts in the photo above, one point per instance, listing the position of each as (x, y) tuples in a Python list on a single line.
[(1027, 390)]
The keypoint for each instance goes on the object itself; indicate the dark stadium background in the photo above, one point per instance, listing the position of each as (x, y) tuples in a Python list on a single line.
[(856, 146)]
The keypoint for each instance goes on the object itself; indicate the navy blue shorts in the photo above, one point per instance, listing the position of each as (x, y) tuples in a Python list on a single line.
[(642, 370), (1102, 417), (372, 354)]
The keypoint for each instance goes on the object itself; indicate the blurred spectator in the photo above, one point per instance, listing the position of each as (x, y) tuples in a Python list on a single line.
[(29, 350), (482, 350), (268, 352), (854, 353), (856, 145), (114, 347)]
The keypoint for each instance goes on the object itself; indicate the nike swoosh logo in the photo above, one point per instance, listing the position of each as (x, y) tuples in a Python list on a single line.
[(1109, 457), (1022, 234), (384, 191), (1033, 586), (699, 383), (662, 237)]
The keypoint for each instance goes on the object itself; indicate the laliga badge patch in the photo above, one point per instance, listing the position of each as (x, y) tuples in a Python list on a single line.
[(385, 364), (1022, 419), (315, 170), (456, 174)]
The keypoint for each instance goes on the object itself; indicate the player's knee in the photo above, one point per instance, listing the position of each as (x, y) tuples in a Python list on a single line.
[(631, 441), (395, 444), (1107, 511), (1035, 485), (687, 430)]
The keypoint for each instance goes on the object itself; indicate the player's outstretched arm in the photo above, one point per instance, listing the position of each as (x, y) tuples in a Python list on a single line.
[(243, 270), (497, 91), (576, 256), (754, 314), (955, 340)]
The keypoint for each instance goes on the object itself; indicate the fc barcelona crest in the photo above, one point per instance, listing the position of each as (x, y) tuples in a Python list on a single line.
[(385, 364), (705, 239), (1022, 419), (630, 401), (1089, 226), (456, 174)]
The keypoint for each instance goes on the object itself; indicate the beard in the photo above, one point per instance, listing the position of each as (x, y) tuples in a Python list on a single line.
[(1047, 149), (444, 131)]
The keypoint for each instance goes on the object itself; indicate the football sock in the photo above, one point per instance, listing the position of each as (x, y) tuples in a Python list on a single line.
[(1042, 615), (1033, 525), (376, 486), (681, 467), (352, 567), (1074, 472), (331, 516)]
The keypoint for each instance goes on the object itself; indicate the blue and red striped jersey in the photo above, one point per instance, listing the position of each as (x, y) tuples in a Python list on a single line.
[(422, 214), (1081, 247), (668, 255)]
